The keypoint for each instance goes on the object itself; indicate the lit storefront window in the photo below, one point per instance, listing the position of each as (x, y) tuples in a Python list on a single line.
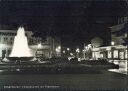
[(109, 54), (97, 55), (101, 55), (126, 55), (115, 53), (121, 55), (112, 43)]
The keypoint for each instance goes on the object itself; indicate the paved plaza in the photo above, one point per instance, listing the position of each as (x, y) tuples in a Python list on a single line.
[(102, 81)]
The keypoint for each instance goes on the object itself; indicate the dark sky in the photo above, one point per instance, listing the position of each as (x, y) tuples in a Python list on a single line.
[(74, 22)]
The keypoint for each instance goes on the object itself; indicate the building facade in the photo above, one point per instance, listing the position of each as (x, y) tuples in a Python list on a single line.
[(115, 51)]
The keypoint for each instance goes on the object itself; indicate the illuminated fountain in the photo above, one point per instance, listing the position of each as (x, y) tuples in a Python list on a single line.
[(20, 47)]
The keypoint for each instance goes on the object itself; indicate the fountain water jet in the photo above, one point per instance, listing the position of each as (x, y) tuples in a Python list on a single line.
[(20, 46)]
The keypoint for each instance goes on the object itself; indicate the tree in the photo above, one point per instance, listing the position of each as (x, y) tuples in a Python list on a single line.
[(96, 42)]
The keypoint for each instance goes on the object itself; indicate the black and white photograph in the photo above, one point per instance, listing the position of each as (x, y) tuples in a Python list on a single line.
[(63, 45)]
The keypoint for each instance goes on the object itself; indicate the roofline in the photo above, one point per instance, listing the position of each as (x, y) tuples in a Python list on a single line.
[(12, 31)]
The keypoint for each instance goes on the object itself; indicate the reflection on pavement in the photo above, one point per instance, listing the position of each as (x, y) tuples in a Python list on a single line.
[(122, 67)]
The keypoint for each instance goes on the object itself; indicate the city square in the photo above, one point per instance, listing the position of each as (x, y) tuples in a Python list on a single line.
[(82, 45)]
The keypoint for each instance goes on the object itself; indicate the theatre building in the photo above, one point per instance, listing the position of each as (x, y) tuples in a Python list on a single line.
[(117, 51), (47, 49)]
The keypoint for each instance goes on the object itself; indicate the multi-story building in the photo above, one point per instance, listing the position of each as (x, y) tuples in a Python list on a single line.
[(49, 48), (115, 51)]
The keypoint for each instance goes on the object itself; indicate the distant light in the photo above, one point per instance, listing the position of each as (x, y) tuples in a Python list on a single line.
[(63, 51), (71, 54), (78, 50), (79, 59), (39, 45), (1, 70), (69, 58), (68, 49), (86, 48), (57, 50), (17, 69), (59, 47), (112, 43), (89, 45)]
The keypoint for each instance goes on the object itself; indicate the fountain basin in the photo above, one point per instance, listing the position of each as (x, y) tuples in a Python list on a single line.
[(19, 58)]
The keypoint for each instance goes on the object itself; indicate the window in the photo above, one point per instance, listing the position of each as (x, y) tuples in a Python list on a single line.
[(121, 55), (11, 38), (126, 55), (5, 38), (11, 42), (109, 54), (115, 53)]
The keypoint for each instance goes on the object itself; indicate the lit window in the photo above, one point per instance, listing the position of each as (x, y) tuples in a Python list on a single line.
[(115, 54), (109, 54), (121, 55), (112, 43), (126, 55)]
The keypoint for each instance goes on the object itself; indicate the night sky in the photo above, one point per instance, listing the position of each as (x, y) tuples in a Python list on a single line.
[(75, 22)]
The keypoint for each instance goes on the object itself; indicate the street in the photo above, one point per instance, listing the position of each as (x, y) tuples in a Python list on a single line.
[(104, 81)]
